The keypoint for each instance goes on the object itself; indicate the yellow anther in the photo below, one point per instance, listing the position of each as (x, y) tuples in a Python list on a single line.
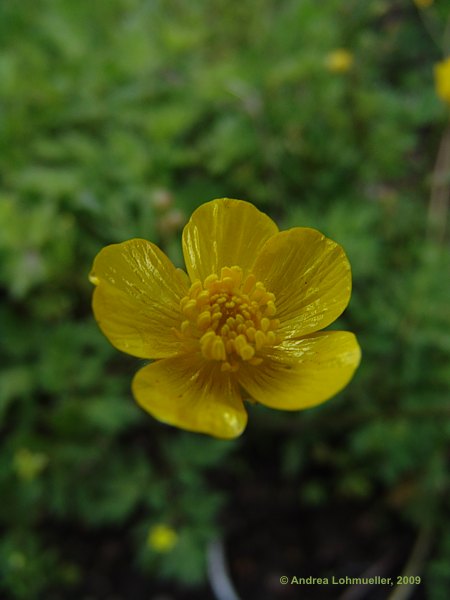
[(204, 320), (228, 282), (233, 273), (207, 339), (249, 284), (209, 281), (247, 352), (218, 349), (196, 288), (250, 332), (265, 324), (189, 308), (185, 325), (229, 317), (271, 337), (260, 339), (240, 342), (203, 298), (270, 308), (257, 294)]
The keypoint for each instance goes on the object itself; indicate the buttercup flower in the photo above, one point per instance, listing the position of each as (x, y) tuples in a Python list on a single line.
[(29, 465), (162, 538), (442, 79), (244, 322), (339, 61)]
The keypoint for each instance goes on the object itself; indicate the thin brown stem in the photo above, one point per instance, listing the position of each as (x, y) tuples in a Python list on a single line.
[(440, 191), (415, 564)]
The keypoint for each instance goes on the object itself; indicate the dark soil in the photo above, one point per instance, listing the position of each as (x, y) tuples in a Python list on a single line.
[(270, 533), (350, 541), (271, 536)]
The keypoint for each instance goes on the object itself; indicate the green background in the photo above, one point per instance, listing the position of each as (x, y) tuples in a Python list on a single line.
[(118, 118)]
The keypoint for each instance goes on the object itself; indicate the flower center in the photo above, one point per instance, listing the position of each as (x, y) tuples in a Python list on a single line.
[(232, 317)]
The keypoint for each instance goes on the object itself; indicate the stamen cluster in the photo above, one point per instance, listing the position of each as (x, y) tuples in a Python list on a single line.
[(231, 317)]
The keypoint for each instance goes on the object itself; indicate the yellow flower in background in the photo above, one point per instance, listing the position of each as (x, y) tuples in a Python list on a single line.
[(29, 465), (339, 61), (17, 561), (162, 538), (423, 3), (244, 320), (442, 79)]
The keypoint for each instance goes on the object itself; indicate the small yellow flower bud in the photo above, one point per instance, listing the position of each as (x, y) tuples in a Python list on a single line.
[(423, 3), (162, 538), (17, 561), (29, 465), (339, 61)]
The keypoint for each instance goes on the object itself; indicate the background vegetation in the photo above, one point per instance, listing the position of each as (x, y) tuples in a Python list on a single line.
[(119, 117)]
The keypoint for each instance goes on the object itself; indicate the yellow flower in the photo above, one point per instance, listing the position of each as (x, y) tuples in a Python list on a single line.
[(423, 3), (339, 61), (245, 317), (29, 465), (162, 538), (17, 561), (442, 79)]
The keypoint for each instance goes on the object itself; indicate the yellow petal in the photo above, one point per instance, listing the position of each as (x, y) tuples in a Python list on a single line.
[(304, 372), (223, 233), (136, 302), (442, 79), (188, 392), (310, 277)]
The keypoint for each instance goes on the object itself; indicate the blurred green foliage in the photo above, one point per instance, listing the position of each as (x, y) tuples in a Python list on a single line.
[(118, 118)]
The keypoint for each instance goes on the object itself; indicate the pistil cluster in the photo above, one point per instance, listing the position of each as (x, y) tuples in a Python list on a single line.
[(231, 317)]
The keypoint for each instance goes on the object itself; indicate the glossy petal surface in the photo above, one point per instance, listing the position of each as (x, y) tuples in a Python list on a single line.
[(190, 393), (310, 277), (304, 372), (136, 302), (248, 319), (223, 233)]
